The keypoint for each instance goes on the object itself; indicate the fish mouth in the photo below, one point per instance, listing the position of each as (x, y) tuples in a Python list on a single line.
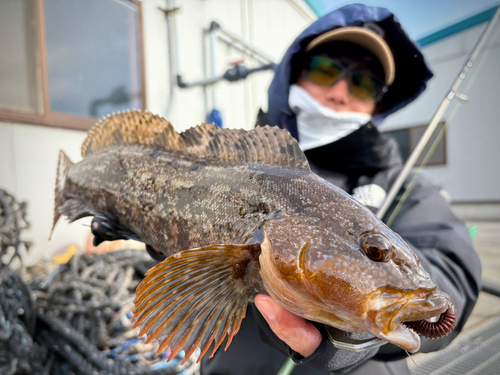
[(422, 306)]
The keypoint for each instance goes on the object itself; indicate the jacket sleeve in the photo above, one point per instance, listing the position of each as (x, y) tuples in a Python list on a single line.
[(326, 357), (443, 245)]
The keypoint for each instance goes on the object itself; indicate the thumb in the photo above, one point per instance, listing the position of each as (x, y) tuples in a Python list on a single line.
[(296, 332)]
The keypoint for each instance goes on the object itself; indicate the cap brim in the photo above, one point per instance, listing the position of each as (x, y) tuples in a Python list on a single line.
[(364, 38)]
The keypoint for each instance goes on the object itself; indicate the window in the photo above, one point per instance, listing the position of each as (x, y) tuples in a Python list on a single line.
[(408, 138), (19, 78), (67, 62)]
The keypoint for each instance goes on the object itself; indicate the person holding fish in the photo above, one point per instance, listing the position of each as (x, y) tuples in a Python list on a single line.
[(256, 224), (337, 82)]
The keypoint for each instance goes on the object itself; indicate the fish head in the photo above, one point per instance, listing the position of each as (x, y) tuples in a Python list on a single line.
[(359, 278)]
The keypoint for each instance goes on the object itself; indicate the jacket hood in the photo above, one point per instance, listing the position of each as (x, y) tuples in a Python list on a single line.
[(412, 72)]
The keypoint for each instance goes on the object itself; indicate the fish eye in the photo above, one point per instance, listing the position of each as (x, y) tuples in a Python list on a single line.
[(377, 247)]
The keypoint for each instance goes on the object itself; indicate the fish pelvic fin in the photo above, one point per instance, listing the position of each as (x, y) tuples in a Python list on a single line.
[(63, 166), (197, 297), (264, 145)]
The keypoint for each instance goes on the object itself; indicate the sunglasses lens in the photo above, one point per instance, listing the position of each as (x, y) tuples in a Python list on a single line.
[(326, 72), (365, 87), (322, 71)]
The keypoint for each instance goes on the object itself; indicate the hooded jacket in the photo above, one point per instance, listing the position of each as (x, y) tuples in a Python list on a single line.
[(365, 163), (412, 72)]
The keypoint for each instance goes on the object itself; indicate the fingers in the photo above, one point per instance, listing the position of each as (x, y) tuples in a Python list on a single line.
[(296, 332)]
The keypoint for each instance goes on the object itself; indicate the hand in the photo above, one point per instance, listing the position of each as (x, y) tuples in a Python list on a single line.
[(296, 332)]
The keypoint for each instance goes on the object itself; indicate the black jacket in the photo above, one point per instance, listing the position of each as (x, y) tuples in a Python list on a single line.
[(427, 224), (364, 159)]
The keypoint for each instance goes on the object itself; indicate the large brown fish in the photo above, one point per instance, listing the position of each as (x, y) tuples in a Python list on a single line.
[(237, 213)]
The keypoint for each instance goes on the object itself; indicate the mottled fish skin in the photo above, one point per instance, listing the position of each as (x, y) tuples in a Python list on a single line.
[(308, 236), (175, 203)]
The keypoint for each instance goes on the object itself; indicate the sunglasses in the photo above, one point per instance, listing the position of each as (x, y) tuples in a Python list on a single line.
[(326, 72)]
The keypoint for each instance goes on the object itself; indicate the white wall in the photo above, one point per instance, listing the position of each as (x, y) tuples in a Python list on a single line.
[(472, 172), (269, 25), (28, 160), (28, 153)]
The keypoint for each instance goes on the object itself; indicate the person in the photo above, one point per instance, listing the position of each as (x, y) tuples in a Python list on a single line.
[(337, 82)]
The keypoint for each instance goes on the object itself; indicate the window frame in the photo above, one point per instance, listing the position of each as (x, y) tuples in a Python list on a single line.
[(51, 118), (410, 138)]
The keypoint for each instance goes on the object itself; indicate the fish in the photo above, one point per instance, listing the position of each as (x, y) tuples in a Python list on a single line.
[(230, 213)]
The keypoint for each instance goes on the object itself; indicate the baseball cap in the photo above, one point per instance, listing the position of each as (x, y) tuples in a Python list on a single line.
[(368, 37)]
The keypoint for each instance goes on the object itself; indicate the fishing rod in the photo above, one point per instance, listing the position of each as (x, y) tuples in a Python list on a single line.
[(437, 118)]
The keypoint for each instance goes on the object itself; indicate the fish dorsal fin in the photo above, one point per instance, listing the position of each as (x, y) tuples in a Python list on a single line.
[(197, 297), (129, 128), (265, 145)]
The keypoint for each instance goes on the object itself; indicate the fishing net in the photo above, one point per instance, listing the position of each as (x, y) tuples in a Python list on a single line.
[(12, 223), (75, 318)]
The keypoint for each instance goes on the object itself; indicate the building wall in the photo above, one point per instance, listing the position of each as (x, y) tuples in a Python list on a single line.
[(28, 153), (269, 25), (472, 173), (28, 160)]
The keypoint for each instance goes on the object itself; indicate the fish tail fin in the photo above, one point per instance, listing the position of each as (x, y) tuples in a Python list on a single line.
[(63, 166)]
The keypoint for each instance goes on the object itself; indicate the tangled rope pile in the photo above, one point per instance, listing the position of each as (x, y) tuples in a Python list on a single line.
[(12, 223), (19, 354), (77, 318)]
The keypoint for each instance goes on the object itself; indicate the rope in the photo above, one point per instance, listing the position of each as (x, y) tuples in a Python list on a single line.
[(75, 319)]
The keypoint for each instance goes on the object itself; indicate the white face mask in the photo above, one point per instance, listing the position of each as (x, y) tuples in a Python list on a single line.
[(318, 125)]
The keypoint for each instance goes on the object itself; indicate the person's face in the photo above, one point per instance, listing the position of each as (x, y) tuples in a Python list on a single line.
[(343, 77), (336, 97)]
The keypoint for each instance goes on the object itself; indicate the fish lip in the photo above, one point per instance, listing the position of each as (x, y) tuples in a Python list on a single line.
[(403, 337), (422, 305), (420, 308)]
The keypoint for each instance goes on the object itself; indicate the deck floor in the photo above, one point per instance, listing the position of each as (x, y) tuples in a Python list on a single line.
[(477, 349)]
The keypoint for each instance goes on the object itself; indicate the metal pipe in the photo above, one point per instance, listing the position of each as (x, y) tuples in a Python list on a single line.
[(236, 73), (230, 43), (215, 27), (173, 55), (202, 82), (205, 71), (214, 35), (435, 120), (213, 66)]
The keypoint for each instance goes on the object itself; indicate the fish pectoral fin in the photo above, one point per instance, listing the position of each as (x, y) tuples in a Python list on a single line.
[(74, 210), (107, 228), (196, 297), (155, 253)]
